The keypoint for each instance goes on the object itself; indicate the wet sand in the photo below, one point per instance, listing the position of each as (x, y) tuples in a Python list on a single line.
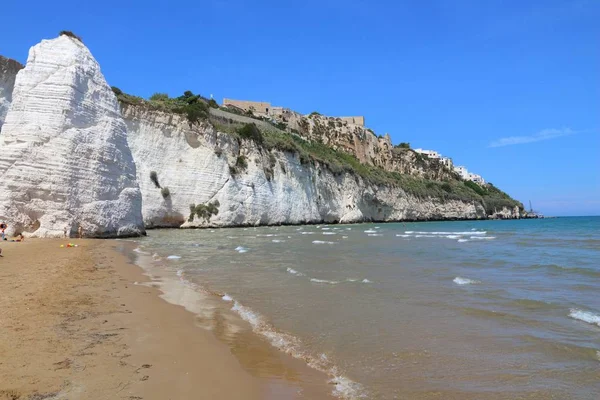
[(73, 325)]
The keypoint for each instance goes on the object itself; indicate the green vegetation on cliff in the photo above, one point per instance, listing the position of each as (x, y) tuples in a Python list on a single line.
[(269, 136)]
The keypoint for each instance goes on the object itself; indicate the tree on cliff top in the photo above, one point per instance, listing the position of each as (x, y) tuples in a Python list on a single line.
[(70, 34)]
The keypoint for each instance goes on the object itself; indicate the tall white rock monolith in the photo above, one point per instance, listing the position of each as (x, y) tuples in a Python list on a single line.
[(64, 157)]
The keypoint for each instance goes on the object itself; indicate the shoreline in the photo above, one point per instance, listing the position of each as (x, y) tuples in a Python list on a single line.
[(155, 227), (75, 326), (236, 327)]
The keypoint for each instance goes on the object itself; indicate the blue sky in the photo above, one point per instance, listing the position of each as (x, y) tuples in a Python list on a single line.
[(510, 89)]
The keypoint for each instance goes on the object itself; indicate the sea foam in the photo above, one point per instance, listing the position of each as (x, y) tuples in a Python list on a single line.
[(464, 281), (173, 257), (322, 242), (343, 387), (585, 316), (370, 231), (294, 272), (324, 281)]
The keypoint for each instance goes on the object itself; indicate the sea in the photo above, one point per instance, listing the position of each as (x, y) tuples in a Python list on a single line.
[(428, 310)]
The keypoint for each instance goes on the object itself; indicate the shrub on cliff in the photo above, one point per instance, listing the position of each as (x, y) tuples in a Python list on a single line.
[(154, 178), (251, 131), (241, 163), (116, 90), (476, 188), (213, 104), (204, 211), (159, 97), (403, 145), (70, 34)]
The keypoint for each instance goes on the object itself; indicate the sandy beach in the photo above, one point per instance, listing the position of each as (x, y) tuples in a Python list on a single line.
[(74, 325)]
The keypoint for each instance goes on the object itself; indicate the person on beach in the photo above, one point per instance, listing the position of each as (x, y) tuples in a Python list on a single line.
[(65, 231), (80, 232), (3, 227)]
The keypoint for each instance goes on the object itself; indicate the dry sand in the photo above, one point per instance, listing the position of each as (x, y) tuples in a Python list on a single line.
[(73, 326)]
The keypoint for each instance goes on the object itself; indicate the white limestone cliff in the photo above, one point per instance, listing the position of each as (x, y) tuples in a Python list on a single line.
[(196, 163), (64, 156)]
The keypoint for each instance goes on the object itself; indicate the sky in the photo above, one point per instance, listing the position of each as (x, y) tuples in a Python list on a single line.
[(509, 89)]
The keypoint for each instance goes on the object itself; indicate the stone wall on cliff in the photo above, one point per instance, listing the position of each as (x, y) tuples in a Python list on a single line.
[(64, 157)]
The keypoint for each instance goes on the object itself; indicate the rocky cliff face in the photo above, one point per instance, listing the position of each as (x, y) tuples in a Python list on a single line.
[(199, 166), (8, 73), (362, 143), (64, 157)]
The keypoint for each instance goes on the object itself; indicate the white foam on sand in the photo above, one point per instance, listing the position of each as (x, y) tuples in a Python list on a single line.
[(585, 316), (322, 242), (344, 237), (366, 281), (343, 387), (241, 249), (464, 281), (140, 251), (173, 257), (226, 298)]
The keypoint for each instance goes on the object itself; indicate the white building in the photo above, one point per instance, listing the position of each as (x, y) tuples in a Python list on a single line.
[(429, 153), (476, 178), (447, 161), (462, 171)]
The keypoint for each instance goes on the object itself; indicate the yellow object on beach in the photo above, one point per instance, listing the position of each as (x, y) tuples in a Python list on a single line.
[(62, 245)]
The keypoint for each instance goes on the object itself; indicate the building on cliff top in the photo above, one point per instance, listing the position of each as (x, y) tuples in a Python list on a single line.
[(263, 108)]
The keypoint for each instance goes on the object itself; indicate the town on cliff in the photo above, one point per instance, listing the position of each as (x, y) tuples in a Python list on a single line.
[(78, 153)]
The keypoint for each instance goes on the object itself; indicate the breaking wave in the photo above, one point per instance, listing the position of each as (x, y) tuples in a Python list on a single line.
[(322, 242), (241, 249), (294, 272), (447, 233), (324, 281), (173, 257), (465, 281), (585, 316)]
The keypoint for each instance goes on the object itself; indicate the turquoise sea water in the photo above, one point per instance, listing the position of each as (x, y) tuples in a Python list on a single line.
[(440, 310)]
